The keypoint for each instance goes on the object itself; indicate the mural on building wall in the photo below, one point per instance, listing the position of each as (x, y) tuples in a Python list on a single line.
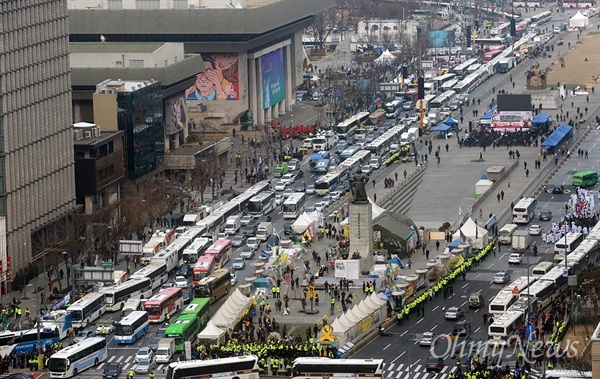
[(176, 112), (218, 81), (273, 78)]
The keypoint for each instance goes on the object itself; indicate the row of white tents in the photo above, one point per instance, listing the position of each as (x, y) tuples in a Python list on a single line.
[(227, 317)]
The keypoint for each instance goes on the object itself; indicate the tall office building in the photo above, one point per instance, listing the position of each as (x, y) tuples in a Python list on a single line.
[(37, 183)]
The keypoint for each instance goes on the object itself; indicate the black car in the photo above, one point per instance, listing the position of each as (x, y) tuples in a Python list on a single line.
[(112, 370), (250, 230), (555, 189), (266, 218), (185, 270), (187, 296), (461, 328), (287, 227), (273, 240), (229, 191), (434, 364), (297, 174), (154, 343), (545, 215), (300, 187)]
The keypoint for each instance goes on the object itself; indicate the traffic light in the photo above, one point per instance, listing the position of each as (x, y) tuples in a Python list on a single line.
[(404, 72), (476, 24), (469, 33), (513, 28), (421, 87)]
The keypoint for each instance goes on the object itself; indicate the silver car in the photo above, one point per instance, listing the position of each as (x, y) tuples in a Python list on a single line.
[(144, 366)]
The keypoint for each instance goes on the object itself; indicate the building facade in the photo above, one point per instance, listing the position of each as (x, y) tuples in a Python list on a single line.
[(99, 166), (37, 183), (135, 107)]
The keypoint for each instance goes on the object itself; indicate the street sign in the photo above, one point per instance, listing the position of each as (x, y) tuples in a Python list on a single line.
[(107, 265)]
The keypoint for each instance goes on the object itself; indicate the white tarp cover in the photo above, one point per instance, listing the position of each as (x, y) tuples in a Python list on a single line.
[(227, 316), (211, 332), (483, 186), (473, 232), (369, 313), (578, 21)]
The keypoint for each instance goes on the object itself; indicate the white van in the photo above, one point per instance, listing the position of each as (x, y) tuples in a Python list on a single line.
[(505, 234), (394, 148), (307, 143), (233, 224), (542, 269), (414, 133), (405, 138)]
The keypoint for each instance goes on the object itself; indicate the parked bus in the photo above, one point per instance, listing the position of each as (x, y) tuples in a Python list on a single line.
[(240, 367), (196, 249), (443, 79), (189, 323), (166, 302), (262, 204), (585, 179), (348, 127), (203, 267), (77, 358), (349, 152), (53, 328), (495, 41), (132, 327), (541, 18), (442, 100), (505, 328), (87, 309), (505, 234), (157, 273), (315, 158), (168, 257), (566, 244), (214, 286), (501, 302), (393, 108), (330, 181), (221, 250), (524, 210), (542, 269), (134, 288), (318, 368), (322, 167), (488, 56), (293, 206), (461, 69), (377, 117)]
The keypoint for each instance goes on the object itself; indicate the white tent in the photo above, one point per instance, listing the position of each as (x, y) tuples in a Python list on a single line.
[(369, 313), (483, 186), (307, 221), (473, 232), (230, 312), (579, 21), (376, 210), (385, 58), (211, 332)]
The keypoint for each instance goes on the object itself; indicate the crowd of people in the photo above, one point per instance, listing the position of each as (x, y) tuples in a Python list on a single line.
[(579, 217)]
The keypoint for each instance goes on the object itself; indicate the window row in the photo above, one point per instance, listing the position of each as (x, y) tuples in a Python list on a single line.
[(29, 34), (20, 55), (36, 74), (32, 11), (36, 93)]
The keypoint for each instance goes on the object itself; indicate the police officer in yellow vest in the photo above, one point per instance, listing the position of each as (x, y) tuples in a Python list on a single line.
[(152, 375), (131, 374)]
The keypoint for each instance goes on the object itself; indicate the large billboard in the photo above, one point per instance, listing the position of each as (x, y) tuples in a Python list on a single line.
[(218, 81), (273, 78), (176, 114), (441, 38)]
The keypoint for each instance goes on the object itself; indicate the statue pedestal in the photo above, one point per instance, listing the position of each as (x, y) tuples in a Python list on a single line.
[(361, 234)]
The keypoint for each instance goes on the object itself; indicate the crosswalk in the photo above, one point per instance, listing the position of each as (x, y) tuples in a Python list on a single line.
[(405, 371), (126, 362)]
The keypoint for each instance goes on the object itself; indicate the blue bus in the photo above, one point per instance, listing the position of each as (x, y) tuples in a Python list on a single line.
[(349, 152), (322, 166), (132, 327), (315, 158)]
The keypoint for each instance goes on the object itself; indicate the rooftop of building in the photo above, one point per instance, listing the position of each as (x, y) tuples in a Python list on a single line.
[(92, 142), (114, 47), (124, 85)]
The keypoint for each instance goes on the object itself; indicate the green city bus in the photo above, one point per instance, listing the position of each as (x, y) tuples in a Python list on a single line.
[(199, 307), (585, 178), (185, 328)]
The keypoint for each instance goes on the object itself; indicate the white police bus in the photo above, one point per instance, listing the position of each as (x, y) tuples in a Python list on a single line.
[(74, 359), (134, 288), (87, 309), (132, 327)]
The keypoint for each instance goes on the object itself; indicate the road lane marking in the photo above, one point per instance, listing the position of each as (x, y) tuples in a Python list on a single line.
[(435, 326), (128, 359), (465, 285), (399, 356), (387, 346), (434, 309), (478, 329), (403, 333), (490, 266), (477, 276), (463, 303), (421, 320), (477, 310), (120, 358)]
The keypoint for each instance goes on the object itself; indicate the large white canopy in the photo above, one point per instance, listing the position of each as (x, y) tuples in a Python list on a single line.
[(471, 231), (579, 20), (228, 315)]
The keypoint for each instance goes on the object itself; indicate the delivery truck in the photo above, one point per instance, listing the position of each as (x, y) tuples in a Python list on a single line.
[(165, 350), (520, 241)]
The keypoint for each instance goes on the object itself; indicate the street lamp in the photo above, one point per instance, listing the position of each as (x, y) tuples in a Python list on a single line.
[(65, 256)]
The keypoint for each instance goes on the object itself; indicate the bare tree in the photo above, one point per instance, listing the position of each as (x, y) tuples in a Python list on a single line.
[(323, 26), (207, 172)]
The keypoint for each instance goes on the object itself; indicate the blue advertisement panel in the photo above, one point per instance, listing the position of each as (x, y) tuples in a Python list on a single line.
[(441, 38), (273, 78)]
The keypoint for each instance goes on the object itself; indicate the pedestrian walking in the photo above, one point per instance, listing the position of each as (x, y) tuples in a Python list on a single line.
[(508, 182), (498, 196), (502, 195)]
